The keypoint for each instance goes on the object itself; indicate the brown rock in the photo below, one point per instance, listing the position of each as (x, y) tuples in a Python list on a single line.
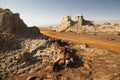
[(31, 78)]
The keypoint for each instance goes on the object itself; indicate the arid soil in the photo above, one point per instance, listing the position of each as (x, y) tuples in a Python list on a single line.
[(34, 60), (91, 64), (101, 40), (30, 53), (96, 63)]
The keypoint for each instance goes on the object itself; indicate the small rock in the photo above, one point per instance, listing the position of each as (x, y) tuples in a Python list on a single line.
[(9, 60), (87, 66), (65, 78), (49, 76), (31, 78), (3, 65)]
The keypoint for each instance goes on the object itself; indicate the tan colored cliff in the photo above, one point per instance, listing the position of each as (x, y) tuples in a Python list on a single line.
[(69, 25)]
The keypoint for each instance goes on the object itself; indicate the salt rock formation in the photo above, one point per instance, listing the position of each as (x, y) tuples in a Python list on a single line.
[(78, 18), (34, 56), (65, 23), (82, 21), (13, 29), (73, 25), (108, 28), (81, 25), (12, 24)]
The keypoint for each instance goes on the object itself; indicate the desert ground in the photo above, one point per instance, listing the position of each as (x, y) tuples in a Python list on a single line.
[(102, 40), (73, 50), (98, 57)]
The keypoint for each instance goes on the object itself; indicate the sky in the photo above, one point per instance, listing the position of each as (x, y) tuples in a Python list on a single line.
[(50, 12)]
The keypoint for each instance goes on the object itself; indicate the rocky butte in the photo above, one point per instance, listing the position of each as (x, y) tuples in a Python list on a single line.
[(81, 25), (67, 24)]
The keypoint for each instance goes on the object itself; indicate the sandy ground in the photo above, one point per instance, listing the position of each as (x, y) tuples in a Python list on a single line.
[(100, 62), (101, 40)]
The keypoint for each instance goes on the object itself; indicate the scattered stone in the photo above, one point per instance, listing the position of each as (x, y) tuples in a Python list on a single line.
[(31, 78)]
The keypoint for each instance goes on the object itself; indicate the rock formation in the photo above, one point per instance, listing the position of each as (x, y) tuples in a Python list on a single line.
[(72, 25), (79, 19), (12, 24), (24, 49), (37, 55), (29, 55), (65, 23), (13, 29), (81, 25)]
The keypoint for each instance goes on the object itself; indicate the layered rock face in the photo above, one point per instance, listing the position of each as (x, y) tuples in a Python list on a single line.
[(82, 21), (81, 25), (13, 29), (67, 24), (36, 55), (12, 24)]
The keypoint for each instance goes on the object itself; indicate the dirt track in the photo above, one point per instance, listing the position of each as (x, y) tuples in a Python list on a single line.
[(104, 44)]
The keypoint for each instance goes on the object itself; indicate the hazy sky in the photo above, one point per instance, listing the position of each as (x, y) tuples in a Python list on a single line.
[(49, 12)]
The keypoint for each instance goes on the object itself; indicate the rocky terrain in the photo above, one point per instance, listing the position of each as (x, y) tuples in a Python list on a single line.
[(67, 24), (27, 54), (80, 25), (24, 50), (16, 40), (13, 30), (87, 63)]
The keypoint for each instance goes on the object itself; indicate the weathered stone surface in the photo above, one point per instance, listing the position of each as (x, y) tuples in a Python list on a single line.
[(13, 30), (31, 78), (79, 18), (42, 59), (33, 56), (11, 23), (67, 24), (81, 25)]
